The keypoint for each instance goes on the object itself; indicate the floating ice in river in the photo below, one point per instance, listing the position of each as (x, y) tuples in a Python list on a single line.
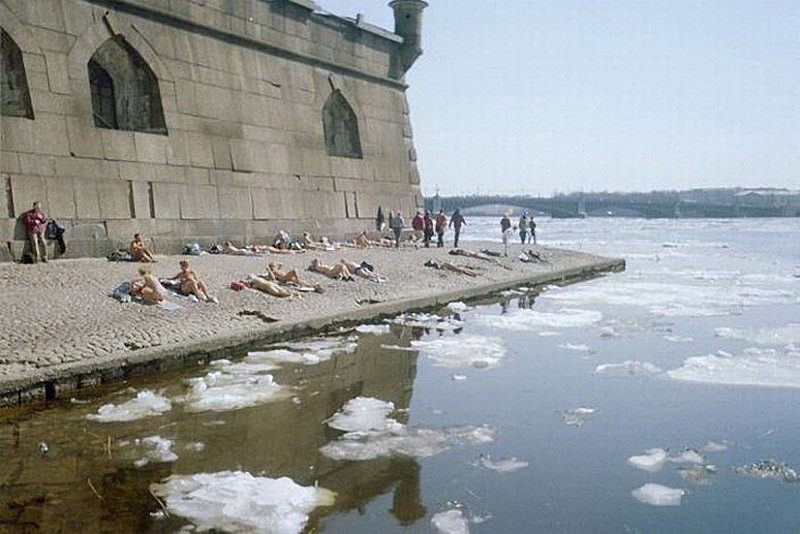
[(753, 367), (769, 469), (457, 307), (698, 474), (781, 335), (309, 352), (450, 522), (146, 404), (282, 356), (371, 433), (678, 339), (159, 450), (231, 387), (376, 329), (688, 456), (652, 461), (363, 414), (526, 319), (460, 351), (658, 495), (628, 367), (428, 320), (501, 466), (577, 416), (575, 347), (236, 501), (714, 446)]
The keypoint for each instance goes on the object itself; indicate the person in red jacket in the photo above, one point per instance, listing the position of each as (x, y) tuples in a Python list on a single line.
[(35, 222), (441, 227)]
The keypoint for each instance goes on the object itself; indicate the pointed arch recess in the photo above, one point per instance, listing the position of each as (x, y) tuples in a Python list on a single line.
[(15, 97), (340, 127)]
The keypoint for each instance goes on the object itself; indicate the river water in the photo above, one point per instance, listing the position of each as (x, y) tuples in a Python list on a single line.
[(661, 399)]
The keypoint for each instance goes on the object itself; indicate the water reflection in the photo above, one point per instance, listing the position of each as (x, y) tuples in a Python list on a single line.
[(89, 468)]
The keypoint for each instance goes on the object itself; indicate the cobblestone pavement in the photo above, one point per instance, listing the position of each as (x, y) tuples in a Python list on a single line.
[(59, 316)]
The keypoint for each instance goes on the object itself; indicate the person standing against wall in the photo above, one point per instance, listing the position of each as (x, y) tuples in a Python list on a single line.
[(456, 222), (34, 221)]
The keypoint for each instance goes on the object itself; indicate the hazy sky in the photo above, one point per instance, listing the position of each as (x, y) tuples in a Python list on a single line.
[(538, 96)]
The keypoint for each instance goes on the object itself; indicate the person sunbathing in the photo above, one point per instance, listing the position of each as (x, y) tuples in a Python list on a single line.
[(190, 284), (229, 248), (274, 272), (256, 282), (139, 251), (361, 240), (338, 271), (307, 242), (450, 266), (148, 288), (364, 270)]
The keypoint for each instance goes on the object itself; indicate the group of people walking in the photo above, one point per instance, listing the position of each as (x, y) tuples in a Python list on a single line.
[(526, 228), (424, 226)]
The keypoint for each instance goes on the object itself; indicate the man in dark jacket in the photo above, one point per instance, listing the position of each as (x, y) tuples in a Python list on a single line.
[(457, 221), (35, 222)]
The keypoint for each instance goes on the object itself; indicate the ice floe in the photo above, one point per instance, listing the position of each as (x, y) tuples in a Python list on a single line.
[(506, 465), (688, 456), (698, 474), (230, 387), (782, 335), (527, 319), (450, 522), (575, 347), (308, 352), (376, 329), (753, 367), (157, 449), (465, 350), (714, 446), (628, 367), (145, 404), (658, 495), (772, 469), (457, 307), (236, 501), (371, 433), (576, 416), (428, 320), (652, 461)]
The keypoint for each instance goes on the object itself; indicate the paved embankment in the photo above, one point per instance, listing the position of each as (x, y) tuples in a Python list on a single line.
[(60, 329)]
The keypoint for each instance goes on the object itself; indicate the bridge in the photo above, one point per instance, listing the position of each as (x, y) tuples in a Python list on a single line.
[(647, 205)]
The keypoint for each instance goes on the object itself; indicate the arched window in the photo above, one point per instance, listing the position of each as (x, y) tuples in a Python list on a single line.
[(16, 99), (340, 125), (125, 93)]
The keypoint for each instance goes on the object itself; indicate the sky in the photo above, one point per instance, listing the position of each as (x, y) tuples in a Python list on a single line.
[(543, 96)]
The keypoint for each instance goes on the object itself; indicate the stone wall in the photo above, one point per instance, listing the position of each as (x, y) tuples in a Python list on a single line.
[(218, 125)]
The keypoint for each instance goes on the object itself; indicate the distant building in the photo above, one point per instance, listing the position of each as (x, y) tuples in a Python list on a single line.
[(201, 120)]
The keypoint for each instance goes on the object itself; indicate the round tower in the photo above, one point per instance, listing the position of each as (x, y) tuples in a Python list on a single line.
[(408, 25)]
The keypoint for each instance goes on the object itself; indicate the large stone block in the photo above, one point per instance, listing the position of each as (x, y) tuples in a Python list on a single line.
[(222, 153), (16, 134), (197, 175), (96, 169), (140, 191), (115, 199), (136, 172), (177, 148), (187, 99), (60, 198), (151, 148), (84, 139), (87, 201), (57, 72), (118, 145), (167, 200), (235, 203), (50, 135), (9, 162), (35, 164), (199, 202), (201, 153), (26, 190)]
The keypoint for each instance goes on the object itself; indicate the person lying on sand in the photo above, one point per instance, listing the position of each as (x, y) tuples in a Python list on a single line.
[(308, 243), (256, 282), (450, 266), (190, 284), (362, 241), (477, 255), (276, 273), (364, 270), (148, 288), (230, 248), (338, 271)]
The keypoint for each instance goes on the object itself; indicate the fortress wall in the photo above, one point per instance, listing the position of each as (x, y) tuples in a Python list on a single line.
[(242, 86)]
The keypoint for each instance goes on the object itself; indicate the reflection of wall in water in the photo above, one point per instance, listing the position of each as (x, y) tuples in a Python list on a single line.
[(276, 439)]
